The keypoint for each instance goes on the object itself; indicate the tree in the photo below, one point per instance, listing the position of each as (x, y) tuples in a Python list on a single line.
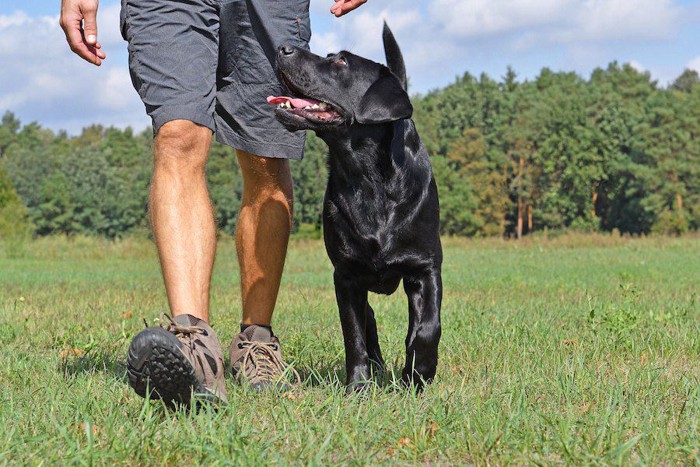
[(8, 131), (310, 177), (457, 203), (687, 81), (14, 218), (510, 157), (225, 186), (469, 155)]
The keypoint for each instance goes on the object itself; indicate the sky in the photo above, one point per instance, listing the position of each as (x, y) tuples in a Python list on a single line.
[(41, 80)]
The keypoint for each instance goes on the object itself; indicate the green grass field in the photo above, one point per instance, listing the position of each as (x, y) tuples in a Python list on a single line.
[(569, 350)]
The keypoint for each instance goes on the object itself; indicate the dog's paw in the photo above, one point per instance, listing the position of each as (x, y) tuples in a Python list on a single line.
[(414, 380), (358, 381), (358, 387)]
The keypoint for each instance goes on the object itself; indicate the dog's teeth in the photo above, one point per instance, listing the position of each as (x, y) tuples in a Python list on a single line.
[(322, 106), (288, 105), (308, 107), (315, 106)]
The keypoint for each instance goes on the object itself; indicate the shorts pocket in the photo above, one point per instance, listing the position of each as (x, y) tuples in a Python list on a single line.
[(304, 28), (122, 19)]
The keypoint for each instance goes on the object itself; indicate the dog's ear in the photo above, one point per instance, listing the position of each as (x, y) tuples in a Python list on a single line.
[(394, 58), (385, 101)]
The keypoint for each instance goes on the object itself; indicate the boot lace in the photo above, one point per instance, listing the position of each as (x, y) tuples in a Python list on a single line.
[(267, 363), (185, 334), (180, 330)]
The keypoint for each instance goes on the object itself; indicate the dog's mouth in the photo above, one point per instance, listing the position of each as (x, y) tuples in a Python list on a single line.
[(305, 107)]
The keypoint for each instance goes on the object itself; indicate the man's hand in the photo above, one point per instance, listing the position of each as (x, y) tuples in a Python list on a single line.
[(345, 6), (79, 22)]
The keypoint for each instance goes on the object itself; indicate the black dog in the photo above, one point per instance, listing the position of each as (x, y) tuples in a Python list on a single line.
[(381, 212)]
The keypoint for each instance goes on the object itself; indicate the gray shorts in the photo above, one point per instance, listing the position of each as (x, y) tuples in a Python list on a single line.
[(211, 62)]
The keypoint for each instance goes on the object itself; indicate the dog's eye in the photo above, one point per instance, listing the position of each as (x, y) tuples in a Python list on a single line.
[(341, 61)]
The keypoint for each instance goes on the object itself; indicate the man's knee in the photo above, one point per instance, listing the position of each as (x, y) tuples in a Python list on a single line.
[(182, 145), (266, 178)]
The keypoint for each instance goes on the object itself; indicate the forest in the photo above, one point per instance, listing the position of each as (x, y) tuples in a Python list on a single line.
[(614, 152)]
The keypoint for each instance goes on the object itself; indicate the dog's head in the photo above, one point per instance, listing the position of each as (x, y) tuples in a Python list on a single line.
[(341, 89)]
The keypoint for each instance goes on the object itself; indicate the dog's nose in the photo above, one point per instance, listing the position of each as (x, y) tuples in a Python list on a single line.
[(286, 50)]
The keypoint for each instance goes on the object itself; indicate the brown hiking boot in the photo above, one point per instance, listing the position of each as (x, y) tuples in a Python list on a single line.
[(256, 360), (178, 361)]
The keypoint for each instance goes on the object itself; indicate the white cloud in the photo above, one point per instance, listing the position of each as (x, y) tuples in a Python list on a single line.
[(434, 33), (361, 31), (116, 86), (694, 64), (365, 28), (422, 42), (470, 18), (558, 20), (627, 19), (325, 43), (43, 80), (108, 24), (637, 66), (18, 18)]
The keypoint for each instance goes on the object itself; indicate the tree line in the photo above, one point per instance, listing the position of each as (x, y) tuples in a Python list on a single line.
[(510, 157)]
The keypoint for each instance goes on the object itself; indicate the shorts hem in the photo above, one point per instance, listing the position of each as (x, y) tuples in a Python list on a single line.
[(169, 113), (262, 149)]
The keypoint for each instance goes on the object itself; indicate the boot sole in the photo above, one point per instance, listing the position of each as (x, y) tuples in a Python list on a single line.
[(157, 368)]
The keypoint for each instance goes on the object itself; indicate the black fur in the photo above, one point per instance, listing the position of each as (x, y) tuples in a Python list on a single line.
[(381, 212)]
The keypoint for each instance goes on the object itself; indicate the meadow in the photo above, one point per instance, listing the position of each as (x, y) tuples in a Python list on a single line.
[(577, 349)]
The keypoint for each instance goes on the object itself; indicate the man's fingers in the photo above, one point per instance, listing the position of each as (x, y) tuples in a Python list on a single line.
[(90, 25), (95, 49), (100, 54), (79, 23), (77, 44), (335, 9), (342, 7)]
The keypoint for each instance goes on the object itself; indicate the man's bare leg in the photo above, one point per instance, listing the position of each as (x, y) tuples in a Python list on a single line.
[(262, 233), (164, 362), (181, 216)]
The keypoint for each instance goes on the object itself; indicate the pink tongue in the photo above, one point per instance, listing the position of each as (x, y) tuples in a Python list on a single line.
[(297, 103)]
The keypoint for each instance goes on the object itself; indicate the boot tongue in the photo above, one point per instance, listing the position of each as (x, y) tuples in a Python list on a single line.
[(186, 320), (259, 334)]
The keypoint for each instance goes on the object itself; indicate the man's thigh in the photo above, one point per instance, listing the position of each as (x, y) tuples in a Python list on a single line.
[(173, 56), (250, 33)]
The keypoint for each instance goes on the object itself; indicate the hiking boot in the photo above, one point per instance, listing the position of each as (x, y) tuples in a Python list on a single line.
[(256, 360), (176, 362)]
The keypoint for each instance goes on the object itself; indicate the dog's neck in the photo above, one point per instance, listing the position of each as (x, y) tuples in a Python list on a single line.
[(361, 152)]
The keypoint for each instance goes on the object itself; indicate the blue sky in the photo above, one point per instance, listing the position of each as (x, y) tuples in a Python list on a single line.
[(41, 81)]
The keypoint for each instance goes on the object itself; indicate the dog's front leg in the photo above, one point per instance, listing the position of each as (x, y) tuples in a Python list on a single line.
[(424, 299), (372, 338), (352, 300)]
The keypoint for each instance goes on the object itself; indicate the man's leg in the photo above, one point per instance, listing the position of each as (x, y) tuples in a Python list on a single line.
[(262, 233), (181, 216), (246, 122), (173, 58), (184, 357)]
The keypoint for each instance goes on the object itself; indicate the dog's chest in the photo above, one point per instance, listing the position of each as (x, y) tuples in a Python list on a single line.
[(368, 227)]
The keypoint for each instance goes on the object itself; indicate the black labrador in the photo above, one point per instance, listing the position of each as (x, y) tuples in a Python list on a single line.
[(381, 212)]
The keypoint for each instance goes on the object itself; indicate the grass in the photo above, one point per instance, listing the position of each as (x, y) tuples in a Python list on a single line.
[(579, 349)]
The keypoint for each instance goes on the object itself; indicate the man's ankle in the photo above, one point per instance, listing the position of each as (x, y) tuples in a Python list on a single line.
[(203, 316), (246, 326)]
